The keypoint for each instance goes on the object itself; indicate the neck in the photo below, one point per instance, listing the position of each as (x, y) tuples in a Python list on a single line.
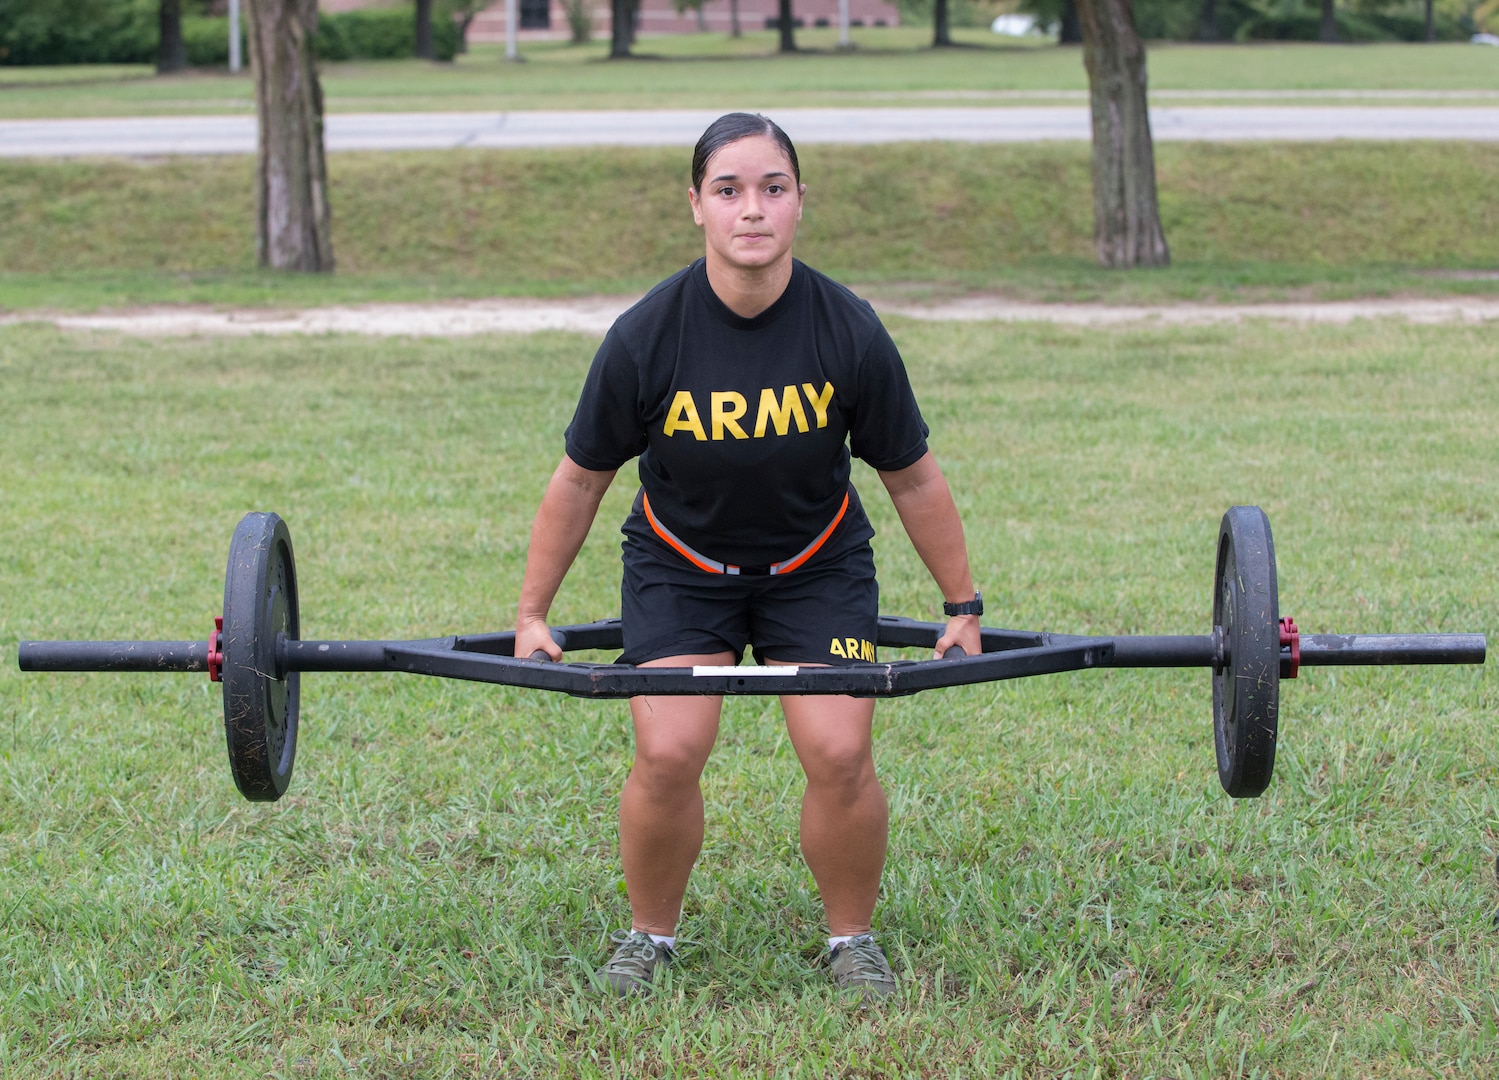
[(747, 291)]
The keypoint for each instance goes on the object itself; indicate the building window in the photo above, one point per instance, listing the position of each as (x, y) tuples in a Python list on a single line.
[(535, 14)]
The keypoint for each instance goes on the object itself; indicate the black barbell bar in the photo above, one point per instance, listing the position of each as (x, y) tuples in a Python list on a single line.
[(260, 656), (1132, 651)]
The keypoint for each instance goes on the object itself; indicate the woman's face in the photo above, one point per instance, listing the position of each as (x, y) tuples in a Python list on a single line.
[(749, 204)]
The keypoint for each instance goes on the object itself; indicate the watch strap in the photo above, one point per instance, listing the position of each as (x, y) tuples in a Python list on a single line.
[(967, 607)]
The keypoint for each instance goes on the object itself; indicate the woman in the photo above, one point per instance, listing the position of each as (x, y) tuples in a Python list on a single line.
[(741, 383)]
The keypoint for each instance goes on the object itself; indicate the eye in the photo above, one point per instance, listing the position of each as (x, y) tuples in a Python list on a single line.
[(728, 192), (774, 189)]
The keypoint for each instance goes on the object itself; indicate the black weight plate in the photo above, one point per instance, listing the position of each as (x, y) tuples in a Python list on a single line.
[(260, 703), (1246, 690)]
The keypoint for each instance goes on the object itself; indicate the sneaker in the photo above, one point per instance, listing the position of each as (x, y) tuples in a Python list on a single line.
[(632, 968), (860, 964)]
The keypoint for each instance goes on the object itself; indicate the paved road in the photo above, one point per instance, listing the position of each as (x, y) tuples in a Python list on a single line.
[(157, 136)]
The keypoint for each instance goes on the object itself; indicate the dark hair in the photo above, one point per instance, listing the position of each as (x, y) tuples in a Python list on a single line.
[(731, 128)]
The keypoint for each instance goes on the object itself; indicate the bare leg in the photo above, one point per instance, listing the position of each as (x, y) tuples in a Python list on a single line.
[(661, 807), (845, 820)]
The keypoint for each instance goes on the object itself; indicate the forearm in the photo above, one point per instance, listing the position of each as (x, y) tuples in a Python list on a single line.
[(926, 508), (930, 517), (561, 525)]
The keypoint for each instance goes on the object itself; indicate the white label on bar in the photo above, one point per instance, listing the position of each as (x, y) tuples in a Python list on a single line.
[(746, 670)]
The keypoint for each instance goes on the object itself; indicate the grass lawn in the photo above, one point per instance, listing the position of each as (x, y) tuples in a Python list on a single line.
[(1245, 222), (890, 67), (1069, 892)]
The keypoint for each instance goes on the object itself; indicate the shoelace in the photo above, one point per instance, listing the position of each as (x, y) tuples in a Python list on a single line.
[(635, 954), (868, 959)]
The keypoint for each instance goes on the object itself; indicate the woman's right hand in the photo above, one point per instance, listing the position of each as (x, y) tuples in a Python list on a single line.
[(533, 635)]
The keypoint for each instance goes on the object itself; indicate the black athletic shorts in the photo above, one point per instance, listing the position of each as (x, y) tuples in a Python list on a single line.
[(824, 612)]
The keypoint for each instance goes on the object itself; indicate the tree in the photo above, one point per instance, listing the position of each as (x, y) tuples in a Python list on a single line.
[(292, 218), (786, 23), (171, 50), (463, 13), (694, 6), (1126, 218), (1329, 30), (622, 32), (424, 49), (1059, 13), (1069, 32), (579, 20), (1207, 23), (941, 34)]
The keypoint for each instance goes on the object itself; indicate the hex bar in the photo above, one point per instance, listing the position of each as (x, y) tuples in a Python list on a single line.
[(1007, 654), (860, 680)]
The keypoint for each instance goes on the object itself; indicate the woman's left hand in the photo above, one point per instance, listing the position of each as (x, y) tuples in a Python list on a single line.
[(962, 631)]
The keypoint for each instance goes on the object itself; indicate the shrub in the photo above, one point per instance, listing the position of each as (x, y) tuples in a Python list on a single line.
[(381, 34), (1368, 26), (78, 32), (126, 32)]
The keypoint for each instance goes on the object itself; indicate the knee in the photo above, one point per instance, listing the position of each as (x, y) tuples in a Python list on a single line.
[(842, 770), (668, 768)]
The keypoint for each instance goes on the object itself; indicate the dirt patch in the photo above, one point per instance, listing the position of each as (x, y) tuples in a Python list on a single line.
[(593, 315)]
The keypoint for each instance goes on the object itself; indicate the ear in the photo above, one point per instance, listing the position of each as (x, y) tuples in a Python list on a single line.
[(697, 210), (801, 198)]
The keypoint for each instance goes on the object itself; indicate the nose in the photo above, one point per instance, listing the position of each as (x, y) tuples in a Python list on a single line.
[(751, 206)]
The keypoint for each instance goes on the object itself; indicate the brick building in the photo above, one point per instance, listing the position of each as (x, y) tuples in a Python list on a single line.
[(548, 18)]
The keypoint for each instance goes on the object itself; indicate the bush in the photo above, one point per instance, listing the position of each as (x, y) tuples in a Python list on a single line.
[(1307, 26), (207, 41), (1407, 27), (1181, 20), (78, 32), (127, 31), (381, 34)]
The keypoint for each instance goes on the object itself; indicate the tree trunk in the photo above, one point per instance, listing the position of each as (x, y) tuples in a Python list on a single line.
[(1069, 32), (171, 52), (424, 49), (1126, 218), (464, 22), (735, 30), (622, 14), (787, 23), (1431, 26), (1329, 30), (1207, 24), (292, 219), (941, 35)]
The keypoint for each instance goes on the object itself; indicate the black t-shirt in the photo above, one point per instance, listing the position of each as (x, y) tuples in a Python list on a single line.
[(743, 426)]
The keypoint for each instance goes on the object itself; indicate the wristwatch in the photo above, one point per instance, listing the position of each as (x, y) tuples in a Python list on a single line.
[(967, 607)]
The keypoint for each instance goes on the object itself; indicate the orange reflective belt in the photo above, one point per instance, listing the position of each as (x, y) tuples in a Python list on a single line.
[(713, 566)]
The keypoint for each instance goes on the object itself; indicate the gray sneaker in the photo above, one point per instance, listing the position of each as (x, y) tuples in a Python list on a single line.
[(632, 968), (860, 964)]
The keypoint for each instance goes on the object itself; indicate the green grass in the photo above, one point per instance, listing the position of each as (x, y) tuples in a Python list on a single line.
[(1069, 892), (890, 67), (1244, 222)]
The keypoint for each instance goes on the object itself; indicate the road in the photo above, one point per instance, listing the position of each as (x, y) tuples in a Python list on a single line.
[(161, 136)]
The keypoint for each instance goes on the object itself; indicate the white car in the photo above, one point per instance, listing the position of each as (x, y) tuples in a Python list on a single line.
[(1485, 39), (1017, 25)]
